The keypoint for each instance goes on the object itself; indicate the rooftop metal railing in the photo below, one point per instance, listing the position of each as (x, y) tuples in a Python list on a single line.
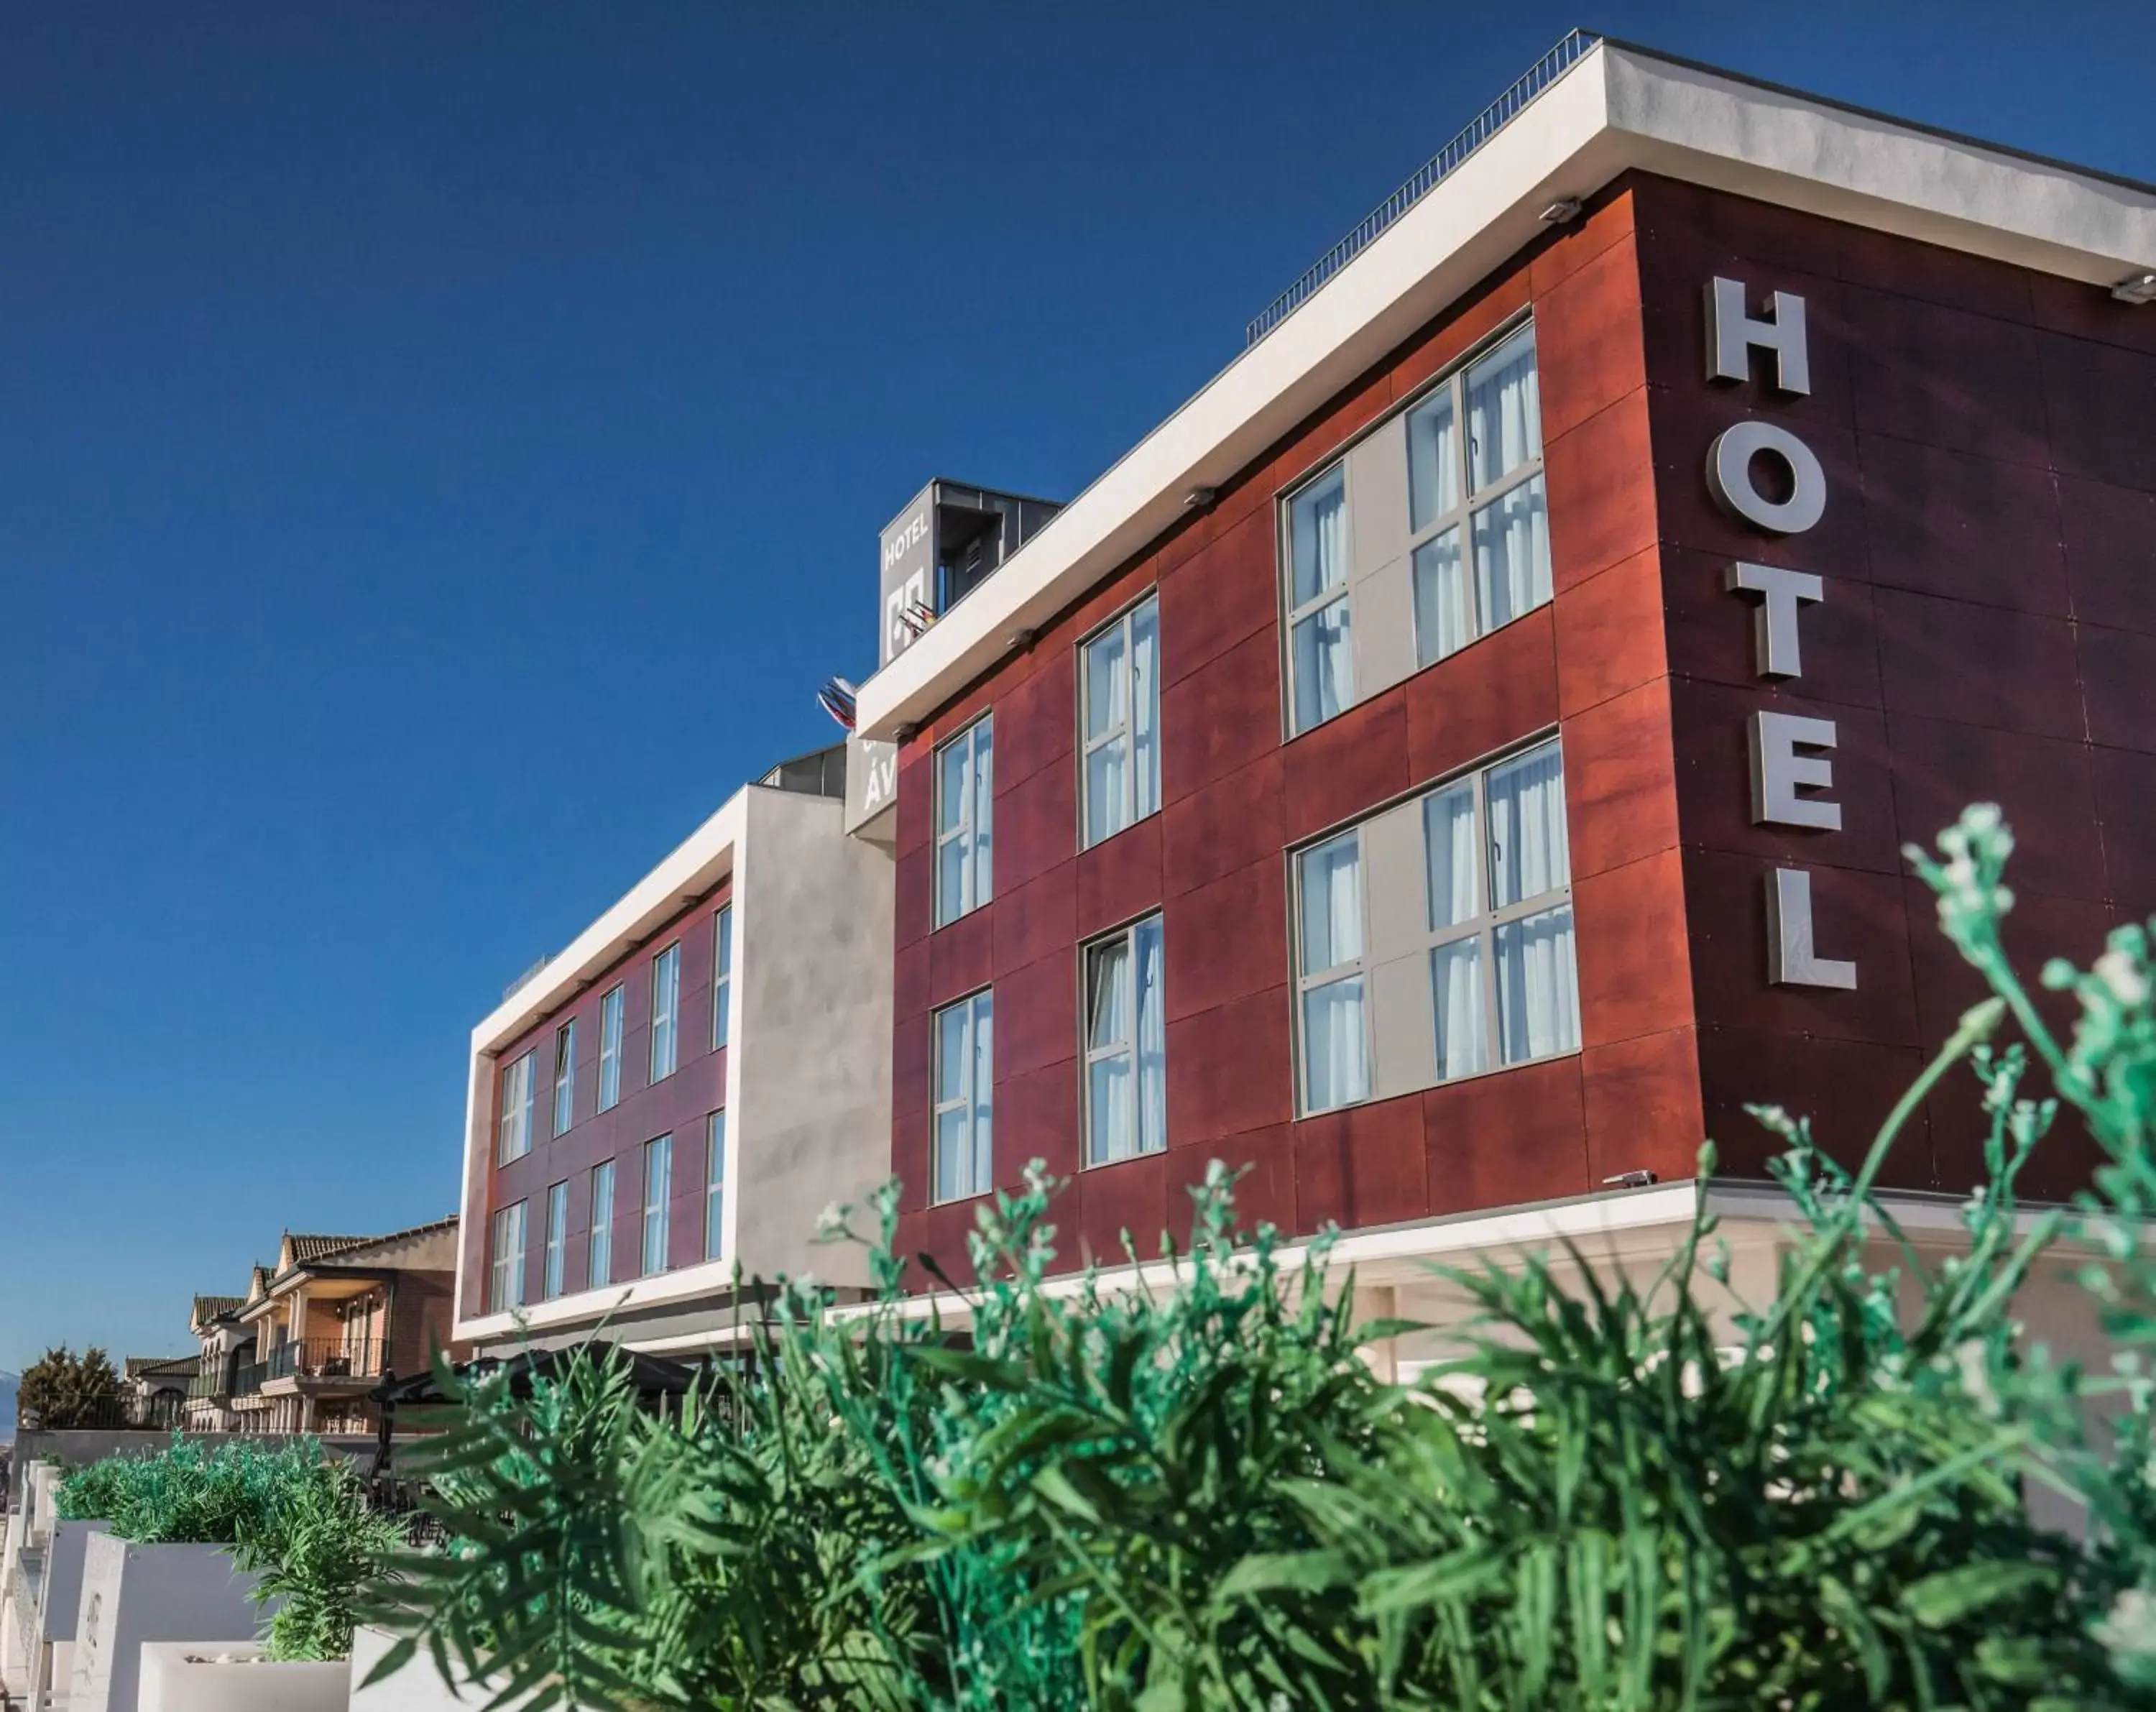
[(1479, 129)]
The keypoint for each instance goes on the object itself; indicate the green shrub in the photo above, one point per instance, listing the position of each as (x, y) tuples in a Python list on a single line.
[(316, 1547), (194, 1492), (1200, 1498)]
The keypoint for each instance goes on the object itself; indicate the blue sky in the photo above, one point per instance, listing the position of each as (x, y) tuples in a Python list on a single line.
[(442, 448)]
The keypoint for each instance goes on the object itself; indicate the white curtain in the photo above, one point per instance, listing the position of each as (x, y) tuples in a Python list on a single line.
[(983, 1074), (1107, 701), (1455, 977), (1318, 518), (1537, 986), (1433, 461), (1511, 554), (984, 815), (1152, 1040), (1331, 904), (1441, 599), (1145, 707), (1324, 670), (1529, 853), (1504, 410), (1108, 1020), (1449, 842), (1336, 1067)]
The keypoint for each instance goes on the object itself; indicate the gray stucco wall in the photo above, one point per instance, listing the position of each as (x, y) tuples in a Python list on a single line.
[(809, 1115)]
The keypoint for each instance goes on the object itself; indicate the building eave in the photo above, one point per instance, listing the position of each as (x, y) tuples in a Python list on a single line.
[(1618, 109)]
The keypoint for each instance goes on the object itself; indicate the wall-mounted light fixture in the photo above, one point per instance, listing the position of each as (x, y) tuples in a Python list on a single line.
[(1561, 212), (2135, 288)]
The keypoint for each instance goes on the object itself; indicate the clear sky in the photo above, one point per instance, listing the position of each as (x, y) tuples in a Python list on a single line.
[(442, 448)]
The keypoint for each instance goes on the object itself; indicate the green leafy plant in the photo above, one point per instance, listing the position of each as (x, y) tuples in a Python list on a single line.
[(194, 1491), (1609, 1492), (316, 1547)]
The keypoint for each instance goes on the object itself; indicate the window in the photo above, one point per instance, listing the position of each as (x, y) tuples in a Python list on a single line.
[(722, 976), (1336, 1044), (658, 1188), (1119, 679), (557, 1239), (610, 1050), (965, 1079), (714, 1185), (1125, 1045), (1429, 531), (600, 1270), (506, 1288), (565, 1077), (516, 1107), (1459, 899), (1320, 625), (964, 822), (665, 1001), (1477, 519)]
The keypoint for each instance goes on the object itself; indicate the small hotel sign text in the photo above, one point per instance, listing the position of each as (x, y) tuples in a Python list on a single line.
[(1790, 768)]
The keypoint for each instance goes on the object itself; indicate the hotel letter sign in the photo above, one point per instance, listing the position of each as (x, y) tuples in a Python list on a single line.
[(1791, 771)]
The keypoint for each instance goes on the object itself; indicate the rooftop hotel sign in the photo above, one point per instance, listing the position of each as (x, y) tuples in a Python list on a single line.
[(1791, 768)]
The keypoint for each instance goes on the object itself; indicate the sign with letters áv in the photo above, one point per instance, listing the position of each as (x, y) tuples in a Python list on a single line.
[(1791, 770)]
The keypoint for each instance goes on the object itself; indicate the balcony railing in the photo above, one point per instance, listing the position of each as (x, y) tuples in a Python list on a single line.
[(207, 1385), (247, 1379), (324, 1357)]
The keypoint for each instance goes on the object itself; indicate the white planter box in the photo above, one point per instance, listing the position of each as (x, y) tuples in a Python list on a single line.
[(171, 1684), (416, 1688), (134, 1593), (60, 1600)]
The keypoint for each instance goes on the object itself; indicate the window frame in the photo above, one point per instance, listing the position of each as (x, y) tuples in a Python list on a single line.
[(979, 873), (554, 1267), (1125, 729), (565, 1078), (1452, 378), (715, 1184), (613, 1009), (1357, 967), (666, 1019), (514, 1140), (655, 1213), (505, 1279), (1469, 501), (599, 1240), (722, 974), (1482, 925), (1088, 1054), (970, 1003)]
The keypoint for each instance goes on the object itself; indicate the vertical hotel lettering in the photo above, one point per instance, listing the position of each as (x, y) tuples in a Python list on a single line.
[(1789, 754)]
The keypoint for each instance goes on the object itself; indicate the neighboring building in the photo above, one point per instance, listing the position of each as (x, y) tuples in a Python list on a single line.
[(227, 1347), (328, 1323), (154, 1387), (682, 1091), (1463, 754)]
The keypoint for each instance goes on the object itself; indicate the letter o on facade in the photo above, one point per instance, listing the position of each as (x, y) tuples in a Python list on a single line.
[(1729, 477)]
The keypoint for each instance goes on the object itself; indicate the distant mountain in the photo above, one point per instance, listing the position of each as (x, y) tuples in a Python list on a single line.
[(8, 1408)]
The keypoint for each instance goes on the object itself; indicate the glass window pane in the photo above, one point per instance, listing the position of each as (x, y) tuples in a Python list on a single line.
[(1504, 410), (951, 786), (1108, 681), (1106, 801), (1110, 1134), (1145, 707), (1324, 667), (950, 881), (984, 817), (1107, 994), (1449, 848), (1441, 622), (1529, 853), (954, 1158), (715, 1184), (1330, 884), (1152, 1037), (1433, 461), (1511, 554), (1538, 987), (1318, 522), (984, 1083), (1456, 978), (951, 1064), (1336, 1056)]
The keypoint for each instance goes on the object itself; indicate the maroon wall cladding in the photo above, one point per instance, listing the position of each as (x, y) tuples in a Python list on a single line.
[(1988, 552), (676, 1105), (1235, 797)]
